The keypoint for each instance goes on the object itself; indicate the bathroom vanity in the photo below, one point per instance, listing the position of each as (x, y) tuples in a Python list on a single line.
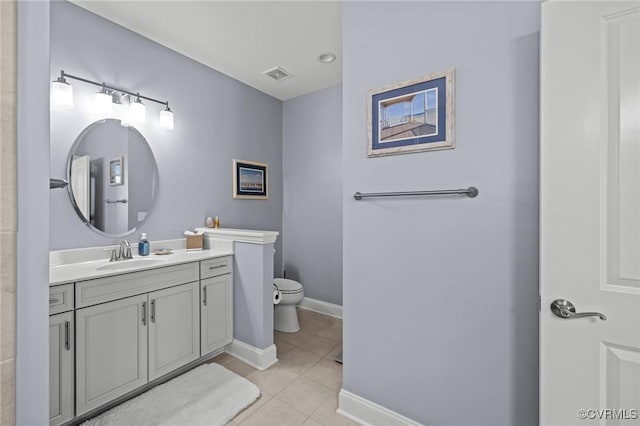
[(117, 329)]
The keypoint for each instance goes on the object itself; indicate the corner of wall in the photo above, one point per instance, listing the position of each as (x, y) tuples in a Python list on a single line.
[(32, 360)]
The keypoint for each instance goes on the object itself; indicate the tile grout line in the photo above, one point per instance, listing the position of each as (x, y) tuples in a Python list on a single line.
[(329, 391)]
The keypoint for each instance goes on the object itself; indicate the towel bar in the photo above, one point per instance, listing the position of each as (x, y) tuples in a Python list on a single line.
[(470, 192)]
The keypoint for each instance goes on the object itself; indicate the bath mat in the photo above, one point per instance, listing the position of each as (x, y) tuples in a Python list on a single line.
[(207, 395)]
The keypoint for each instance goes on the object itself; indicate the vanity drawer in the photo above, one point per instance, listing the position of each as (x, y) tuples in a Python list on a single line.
[(214, 267), (60, 299), (106, 289)]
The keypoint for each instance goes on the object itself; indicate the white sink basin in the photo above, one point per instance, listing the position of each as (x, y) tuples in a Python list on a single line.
[(129, 264)]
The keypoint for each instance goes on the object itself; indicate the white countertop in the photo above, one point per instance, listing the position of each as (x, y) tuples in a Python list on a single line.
[(80, 271)]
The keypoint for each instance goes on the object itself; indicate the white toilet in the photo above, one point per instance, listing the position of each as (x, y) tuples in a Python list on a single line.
[(285, 315)]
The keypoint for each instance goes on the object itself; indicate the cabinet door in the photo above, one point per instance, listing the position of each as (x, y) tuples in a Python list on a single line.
[(174, 328), (111, 351), (61, 350), (216, 313)]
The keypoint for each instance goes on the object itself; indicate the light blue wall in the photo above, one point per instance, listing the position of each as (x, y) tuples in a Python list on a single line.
[(440, 294), (253, 294), (32, 314), (217, 119), (312, 200)]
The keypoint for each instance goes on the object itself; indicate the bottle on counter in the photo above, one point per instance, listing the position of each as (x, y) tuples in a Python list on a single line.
[(143, 245)]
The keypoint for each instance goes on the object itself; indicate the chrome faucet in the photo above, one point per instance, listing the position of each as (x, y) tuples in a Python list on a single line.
[(125, 250), (123, 253)]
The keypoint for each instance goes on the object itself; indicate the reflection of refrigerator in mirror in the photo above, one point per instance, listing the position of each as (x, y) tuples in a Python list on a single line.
[(81, 184)]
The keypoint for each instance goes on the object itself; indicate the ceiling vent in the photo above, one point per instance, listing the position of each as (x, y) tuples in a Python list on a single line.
[(278, 73)]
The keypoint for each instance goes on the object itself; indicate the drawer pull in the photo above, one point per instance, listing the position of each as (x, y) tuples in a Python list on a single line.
[(67, 336), (144, 313), (54, 300), (204, 296), (153, 310), (211, 268)]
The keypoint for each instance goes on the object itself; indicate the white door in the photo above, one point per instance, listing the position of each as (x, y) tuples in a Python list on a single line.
[(111, 351), (216, 313), (174, 328), (590, 212), (81, 184)]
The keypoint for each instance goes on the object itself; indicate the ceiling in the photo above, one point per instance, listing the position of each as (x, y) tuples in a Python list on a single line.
[(242, 38)]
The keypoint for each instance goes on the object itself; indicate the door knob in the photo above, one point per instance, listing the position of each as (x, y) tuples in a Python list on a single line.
[(565, 309)]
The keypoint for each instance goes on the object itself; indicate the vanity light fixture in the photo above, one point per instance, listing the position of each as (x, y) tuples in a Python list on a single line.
[(166, 118), (62, 94), (137, 111)]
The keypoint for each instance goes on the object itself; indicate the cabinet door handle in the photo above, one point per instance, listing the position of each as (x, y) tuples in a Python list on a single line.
[(211, 268), (54, 300), (204, 296), (67, 335), (144, 313), (153, 310)]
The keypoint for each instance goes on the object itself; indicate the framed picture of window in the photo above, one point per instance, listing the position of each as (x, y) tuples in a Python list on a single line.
[(115, 171), (250, 180), (412, 116)]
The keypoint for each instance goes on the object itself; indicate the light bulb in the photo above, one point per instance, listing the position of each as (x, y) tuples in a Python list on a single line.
[(137, 111), (103, 102), (166, 118), (61, 93)]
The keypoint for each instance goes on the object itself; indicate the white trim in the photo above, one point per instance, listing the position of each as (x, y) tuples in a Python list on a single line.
[(321, 307), (366, 413), (241, 235), (257, 358)]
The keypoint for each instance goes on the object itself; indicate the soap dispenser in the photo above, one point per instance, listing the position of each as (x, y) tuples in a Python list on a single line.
[(143, 245)]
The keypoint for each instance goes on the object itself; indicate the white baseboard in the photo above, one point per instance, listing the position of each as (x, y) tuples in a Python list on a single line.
[(321, 307), (367, 413), (257, 358)]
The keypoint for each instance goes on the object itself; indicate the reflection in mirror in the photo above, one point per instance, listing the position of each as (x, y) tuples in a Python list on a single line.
[(113, 177)]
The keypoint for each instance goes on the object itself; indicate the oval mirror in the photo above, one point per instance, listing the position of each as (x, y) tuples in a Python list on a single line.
[(113, 177)]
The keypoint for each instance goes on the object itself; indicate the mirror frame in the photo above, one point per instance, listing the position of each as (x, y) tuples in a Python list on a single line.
[(156, 180)]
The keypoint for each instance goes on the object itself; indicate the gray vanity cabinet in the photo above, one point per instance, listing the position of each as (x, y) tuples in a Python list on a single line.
[(133, 328), (174, 328), (111, 351), (216, 312), (61, 350)]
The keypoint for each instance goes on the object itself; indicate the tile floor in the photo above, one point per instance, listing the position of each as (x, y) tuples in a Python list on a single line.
[(302, 387)]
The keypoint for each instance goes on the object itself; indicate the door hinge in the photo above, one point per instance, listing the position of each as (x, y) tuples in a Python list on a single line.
[(539, 303)]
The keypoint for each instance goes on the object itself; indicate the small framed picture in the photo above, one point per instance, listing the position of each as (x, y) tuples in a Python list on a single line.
[(115, 171), (250, 180), (412, 116)]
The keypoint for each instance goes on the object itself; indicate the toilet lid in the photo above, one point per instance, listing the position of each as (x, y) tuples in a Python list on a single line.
[(288, 286)]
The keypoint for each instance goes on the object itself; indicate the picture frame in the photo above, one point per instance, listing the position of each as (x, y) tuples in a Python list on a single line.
[(412, 116), (116, 176), (250, 180)]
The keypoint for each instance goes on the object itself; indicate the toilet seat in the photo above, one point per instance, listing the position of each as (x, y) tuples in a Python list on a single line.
[(287, 286)]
